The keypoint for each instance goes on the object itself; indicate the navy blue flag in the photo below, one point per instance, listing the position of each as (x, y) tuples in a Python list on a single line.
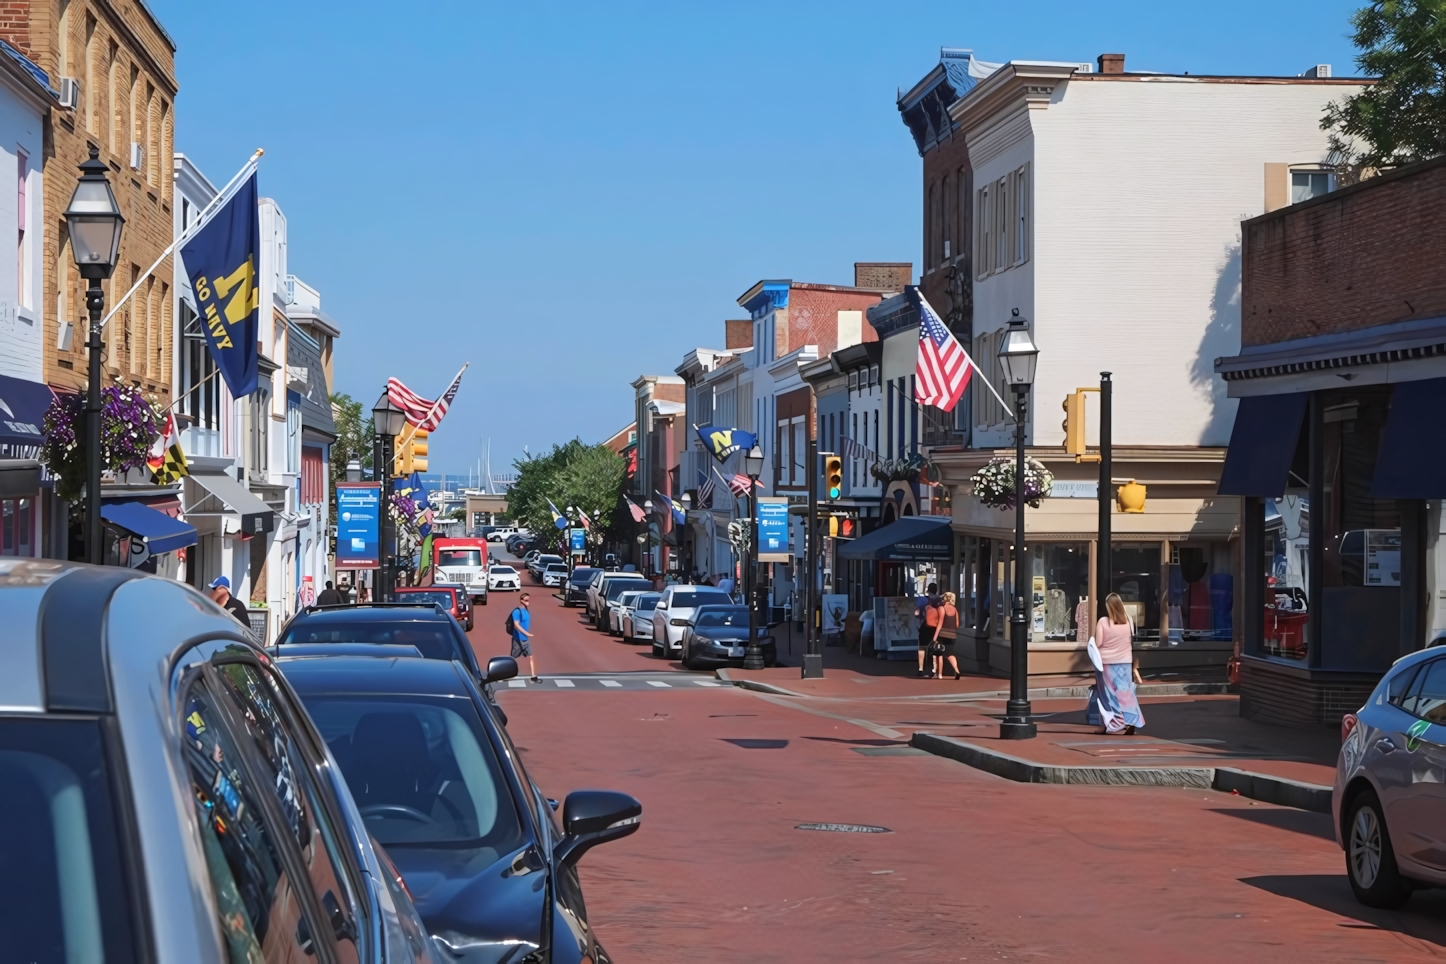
[(222, 261), (723, 442)]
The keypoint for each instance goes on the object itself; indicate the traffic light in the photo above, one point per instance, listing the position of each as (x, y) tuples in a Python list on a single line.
[(833, 527), (419, 451), (832, 476), (411, 454), (1074, 423)]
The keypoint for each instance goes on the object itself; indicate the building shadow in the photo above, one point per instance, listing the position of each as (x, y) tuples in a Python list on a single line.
[(1285, 818), (1221, 338), (1423, 917)]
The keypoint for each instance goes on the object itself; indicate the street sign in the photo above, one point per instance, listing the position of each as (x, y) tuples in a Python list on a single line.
[(358, 525), (578, 540), (773, 529)]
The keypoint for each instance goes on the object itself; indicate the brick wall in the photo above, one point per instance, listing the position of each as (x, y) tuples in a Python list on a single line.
[(951, 216), (1366, 255), (738, 334), (813, 316), (669, 392), (891, 275)]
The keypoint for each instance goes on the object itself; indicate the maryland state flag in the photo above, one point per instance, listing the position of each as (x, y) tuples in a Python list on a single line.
[(166, 459), (221, 261)]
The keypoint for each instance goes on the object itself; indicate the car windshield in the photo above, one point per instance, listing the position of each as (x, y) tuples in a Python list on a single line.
[(433, 639), (647, 602), (582, 576), (443, 599), (504, 570), (65, 897), (557, 567), (459, 557), (629, 598), (730, 618), (689, 599), (422, 771), (619, 586), (548, 559)]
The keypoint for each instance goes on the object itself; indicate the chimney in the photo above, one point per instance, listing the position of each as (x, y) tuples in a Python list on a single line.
[(1111, 63), (738, 334), (885, 275)]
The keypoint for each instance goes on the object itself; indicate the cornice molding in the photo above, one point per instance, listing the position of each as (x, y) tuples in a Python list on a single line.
[(1011, 86)]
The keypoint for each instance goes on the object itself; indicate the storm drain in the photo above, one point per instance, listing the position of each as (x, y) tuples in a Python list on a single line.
[(843, 828)]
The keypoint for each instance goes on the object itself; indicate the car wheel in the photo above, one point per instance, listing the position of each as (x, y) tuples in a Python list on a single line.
[(658, 652), (484, 599), (687, 661), (1370, 861)]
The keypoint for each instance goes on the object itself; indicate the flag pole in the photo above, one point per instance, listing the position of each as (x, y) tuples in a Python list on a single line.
[(405, 438), (186, 235)]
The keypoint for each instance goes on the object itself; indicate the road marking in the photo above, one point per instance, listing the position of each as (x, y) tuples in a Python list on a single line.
[(564, 683), (656, 682), (517, 684), (611, 682), (706, 682)]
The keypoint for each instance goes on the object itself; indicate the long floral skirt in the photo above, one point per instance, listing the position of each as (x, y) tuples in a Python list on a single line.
[(1113, 703)]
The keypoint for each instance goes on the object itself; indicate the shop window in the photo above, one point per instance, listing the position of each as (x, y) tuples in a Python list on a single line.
[(1061, 576), (1136, 577), (1201, 592), (17, 523)]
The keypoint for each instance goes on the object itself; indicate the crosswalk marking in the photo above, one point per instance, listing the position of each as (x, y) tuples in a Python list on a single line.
[(564, 683), (658, 682), (517, 684), (611, 682)]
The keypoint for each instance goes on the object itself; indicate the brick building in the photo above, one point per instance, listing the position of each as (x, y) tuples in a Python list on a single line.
[(1338, 448)]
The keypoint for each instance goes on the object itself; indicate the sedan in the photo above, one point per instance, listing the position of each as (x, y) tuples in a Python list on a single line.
[(638, 619), (1388, 796), (621, 605), (575, 589), (540, 562), (442, 788), (445, 596), (718, 636), (501, 577), (555, 574)]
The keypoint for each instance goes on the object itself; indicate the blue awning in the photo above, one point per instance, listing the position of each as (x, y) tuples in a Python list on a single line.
[(1262, 444), (1411, 460), (22, 411), (159, 531), (913, 538)]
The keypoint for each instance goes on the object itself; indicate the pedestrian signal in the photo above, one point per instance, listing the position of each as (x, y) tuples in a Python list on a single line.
[(1074, 423), (832, 476), (833, 527)]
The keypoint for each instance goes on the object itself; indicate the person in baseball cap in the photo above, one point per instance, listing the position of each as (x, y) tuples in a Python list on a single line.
[(221, 594)]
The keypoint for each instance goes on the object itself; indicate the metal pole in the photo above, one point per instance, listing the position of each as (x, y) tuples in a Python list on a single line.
[(813, 656), (1106, 496), (389, 529), (94, 547), (753, 656), (1016, 725)]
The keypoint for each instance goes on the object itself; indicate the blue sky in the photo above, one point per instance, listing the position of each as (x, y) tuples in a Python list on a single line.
[(574, 194)]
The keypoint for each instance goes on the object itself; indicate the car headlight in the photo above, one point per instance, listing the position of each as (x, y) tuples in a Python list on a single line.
[(677, 622)]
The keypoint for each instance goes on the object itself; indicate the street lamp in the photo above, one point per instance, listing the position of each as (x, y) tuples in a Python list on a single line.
[(388, 420), (1018, 357), (753, 468), (354, 470), (688, 557), (94, 224), (648, 528)]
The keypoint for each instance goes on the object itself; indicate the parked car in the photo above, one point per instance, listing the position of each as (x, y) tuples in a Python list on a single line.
[(555, 574), (514, 541), (718, 636), (529, 556), (1388, 796), (575, 589), (503, 578), (442, 787), (464, 601), (618, 606), (540, 562), (607, 586), (500, 533), (143, 731), (638, 618), (674, 610), (445, 596)]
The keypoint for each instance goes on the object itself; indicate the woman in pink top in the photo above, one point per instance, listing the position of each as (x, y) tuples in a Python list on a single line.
[(1114, 704)]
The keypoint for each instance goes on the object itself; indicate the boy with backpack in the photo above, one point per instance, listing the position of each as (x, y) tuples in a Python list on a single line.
[(519, 627)]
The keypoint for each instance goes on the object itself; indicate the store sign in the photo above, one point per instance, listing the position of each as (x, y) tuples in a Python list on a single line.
[(358, 525), (578, 540), (1074, 490), (773, 541)]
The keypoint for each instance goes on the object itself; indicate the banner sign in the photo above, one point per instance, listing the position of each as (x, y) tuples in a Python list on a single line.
[(222, 263), (358, 525), (773, 529), (578, 540)]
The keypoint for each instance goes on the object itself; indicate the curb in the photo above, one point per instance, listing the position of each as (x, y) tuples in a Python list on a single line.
[(1049, 692), (1256, 786), (754, 685)]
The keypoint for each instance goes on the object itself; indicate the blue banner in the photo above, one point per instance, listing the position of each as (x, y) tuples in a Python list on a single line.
[(358, 525), (221, 261), (773, 529), (579, 540), (723, 442)]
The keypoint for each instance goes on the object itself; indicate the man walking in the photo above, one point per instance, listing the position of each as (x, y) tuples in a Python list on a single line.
[(330, 596), (520, 625), (221, 595), (926, 617)]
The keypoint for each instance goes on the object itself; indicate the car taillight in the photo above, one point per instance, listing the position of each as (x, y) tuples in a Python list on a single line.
[(1348, 723)]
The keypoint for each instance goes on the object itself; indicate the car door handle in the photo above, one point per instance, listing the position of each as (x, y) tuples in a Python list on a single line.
[(1385, 745)]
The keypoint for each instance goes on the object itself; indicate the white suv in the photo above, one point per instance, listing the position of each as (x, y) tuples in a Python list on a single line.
[(673, 612)]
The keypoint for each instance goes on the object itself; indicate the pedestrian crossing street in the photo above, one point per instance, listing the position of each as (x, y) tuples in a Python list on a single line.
[(641, 681)]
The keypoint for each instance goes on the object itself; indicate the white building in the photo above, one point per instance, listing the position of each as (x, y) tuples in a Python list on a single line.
[(308, 361)]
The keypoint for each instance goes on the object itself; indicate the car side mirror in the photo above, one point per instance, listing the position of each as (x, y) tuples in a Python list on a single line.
[(500, 668), (591, 817)]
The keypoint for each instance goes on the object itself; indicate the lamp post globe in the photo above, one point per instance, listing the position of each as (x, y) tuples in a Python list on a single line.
[(93, 222), (1018, 356), (753, 468)]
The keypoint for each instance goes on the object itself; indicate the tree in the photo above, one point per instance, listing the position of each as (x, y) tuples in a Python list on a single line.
[(589, 477), (353, 441), (1402, 117)]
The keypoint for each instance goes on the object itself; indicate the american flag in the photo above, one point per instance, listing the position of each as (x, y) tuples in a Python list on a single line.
[(943, 367), (705, 491), (634, 509), (421, 413), (586, 522)]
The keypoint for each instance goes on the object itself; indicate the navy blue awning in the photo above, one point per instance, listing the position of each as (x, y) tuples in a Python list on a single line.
[(1411, 462), (1262, 445), (160, 532), (22, 411), (914, 537)]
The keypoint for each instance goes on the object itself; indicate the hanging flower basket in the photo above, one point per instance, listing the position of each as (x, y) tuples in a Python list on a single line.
[(994, 484), (128, 426)]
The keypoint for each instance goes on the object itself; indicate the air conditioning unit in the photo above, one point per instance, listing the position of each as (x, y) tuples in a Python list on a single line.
[(138, 154), (69, 93)]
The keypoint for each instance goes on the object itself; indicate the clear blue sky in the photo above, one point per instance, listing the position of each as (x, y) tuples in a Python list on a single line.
[(574, 194)]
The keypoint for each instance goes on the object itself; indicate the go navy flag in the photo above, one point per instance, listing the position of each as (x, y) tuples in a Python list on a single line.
[(723, 442), (221, 261)]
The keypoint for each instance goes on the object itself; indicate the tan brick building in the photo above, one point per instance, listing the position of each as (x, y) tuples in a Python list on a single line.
[(123, 63)]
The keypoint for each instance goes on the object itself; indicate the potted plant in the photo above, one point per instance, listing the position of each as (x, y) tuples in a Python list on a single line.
[(994, 483)]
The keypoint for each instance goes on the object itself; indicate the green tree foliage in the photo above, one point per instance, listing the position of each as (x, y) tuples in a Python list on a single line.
[(353, 441), (589, 477), (1402, 117)]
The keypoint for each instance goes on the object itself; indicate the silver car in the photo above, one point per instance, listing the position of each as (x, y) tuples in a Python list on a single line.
[(638, 618), (621, 606), (165, 793), (1389, 800)]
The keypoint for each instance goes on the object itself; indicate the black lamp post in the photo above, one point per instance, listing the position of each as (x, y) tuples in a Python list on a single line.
[(648, 530), (94, 223), (753, 468), (388, 421), (1018, 357), (688, 565)]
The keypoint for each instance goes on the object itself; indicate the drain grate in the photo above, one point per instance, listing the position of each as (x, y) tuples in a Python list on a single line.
[(843, 828)]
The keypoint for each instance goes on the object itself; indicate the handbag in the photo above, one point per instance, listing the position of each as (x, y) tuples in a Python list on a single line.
[(936, 648)]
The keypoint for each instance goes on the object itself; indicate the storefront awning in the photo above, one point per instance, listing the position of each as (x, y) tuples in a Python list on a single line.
[(914, 537), (160, 532), (256, 516), (22, 414), (1411, 462), (1262, 445)]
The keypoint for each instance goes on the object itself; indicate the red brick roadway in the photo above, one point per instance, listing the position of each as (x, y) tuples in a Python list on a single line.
[(974, 867)]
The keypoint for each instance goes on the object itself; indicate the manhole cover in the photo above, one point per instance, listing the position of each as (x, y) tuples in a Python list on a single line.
[(843, 828)]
